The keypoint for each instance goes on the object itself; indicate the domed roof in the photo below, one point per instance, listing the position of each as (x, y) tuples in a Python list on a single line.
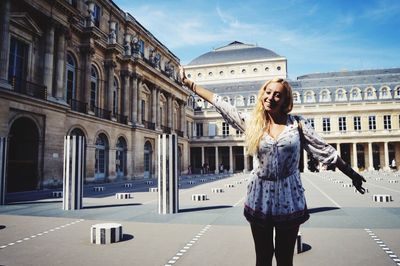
[(233, 52)]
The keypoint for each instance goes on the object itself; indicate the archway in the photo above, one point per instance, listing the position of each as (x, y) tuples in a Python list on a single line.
[(120, 157), (23, 167), (101, 162), (147, 159)]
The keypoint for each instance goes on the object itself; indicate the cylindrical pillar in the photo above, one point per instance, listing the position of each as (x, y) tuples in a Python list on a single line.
[(216, 160), (154, 106), (370, 157), (49, 59), (305, 161), (60, 75), (73, 172), (355, 159), (183, 118), (3, 166), (170, 112), (110, 86), (139, 106), (386, 156), (246, 160), (125, 97), (4, 39), (168, 198), (230, 160)]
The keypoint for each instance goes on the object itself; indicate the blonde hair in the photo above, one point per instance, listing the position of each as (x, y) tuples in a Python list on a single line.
[(259, 121)]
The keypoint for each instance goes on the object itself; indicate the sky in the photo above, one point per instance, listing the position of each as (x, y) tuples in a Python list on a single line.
[(314, 36)]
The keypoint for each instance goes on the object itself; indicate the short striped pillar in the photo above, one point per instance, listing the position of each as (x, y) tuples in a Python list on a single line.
[(229, 185), (124, 195), (217, 190), (57, 194), (98, 189), (199, 197), (168, 198), (3, 166), (382, 198), (106, 233), (73, 172), (299, 243)]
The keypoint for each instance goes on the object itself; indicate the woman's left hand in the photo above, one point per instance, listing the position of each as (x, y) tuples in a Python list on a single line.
[(357, 181)]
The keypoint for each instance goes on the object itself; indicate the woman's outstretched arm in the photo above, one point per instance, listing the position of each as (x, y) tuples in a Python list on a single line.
[(199, 90)]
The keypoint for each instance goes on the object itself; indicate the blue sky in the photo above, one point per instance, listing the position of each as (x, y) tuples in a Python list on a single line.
[(314, 36)]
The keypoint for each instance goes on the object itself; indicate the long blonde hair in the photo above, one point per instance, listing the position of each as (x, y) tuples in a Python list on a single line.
[(259, 121)]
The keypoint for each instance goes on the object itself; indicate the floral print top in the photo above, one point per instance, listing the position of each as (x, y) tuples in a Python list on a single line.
[(275, 193)]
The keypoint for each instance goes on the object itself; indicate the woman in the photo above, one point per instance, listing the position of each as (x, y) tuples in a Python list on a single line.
[(275, 195)]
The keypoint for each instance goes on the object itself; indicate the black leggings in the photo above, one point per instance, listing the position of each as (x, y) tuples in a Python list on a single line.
[(285, 240)]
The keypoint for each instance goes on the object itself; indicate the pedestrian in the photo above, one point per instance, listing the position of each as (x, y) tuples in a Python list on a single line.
[(275, 196), (221, 168)]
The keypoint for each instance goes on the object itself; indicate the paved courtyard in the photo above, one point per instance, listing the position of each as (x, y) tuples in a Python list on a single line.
[(345, 228)]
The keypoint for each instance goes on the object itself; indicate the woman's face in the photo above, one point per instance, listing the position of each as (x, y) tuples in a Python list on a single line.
[(274, 97)]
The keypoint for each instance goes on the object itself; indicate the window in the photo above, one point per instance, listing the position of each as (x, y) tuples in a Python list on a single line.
[(70, 81), (357, 123), (143, 105), (311, 122), (17, 64), (397, 92), (342, 124), (94, 87), (372, 122), (384, 93), (115, 97), (370, 94), (199, 129), (355, 94), (225, 129), (239, 133), (226, 99), (96, 15), (252, 100), (341, 95), (325, 96), (239, 100), (309, 97), (387, 122), (326, 124), (141, 47)]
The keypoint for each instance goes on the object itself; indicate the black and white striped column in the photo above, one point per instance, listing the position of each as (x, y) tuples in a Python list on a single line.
[(73, 172), (3, 166), (168, 199)]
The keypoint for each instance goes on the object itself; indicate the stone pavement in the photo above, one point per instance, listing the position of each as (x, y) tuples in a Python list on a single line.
[(345, 228)]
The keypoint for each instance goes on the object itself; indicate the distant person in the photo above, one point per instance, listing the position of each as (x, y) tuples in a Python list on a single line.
[(275, 195), (221, 168), (189, 170), (393, 164)]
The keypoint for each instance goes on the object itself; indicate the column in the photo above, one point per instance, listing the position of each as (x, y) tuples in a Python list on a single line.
[(154, 106), (4, 41), (202, 156), (355, 159), (183, 118), (125, 95), (216, 160), (246, 161), (87, 53), (134, 101), (110, 65), (158, 120), (338, 149), (60, 75), (305, 161), (386, 154), (139, 105), (370, 158), (170, 111), (49, 59), (230, 160)]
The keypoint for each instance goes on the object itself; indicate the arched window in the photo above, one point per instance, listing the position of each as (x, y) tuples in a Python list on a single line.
[(226, 99), (325, 96), (341, 95), (252, 100), (397, 92), (94, 88), (370, 94), (115, 97), (355, 94), (120, 157), (309, 97), (384, 93), (296, 97), (101, 160), (148, 151), (70, 80), (239, 100)]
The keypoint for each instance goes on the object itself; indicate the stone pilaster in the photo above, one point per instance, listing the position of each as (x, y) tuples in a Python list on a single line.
[(110, 66), (134, 101), (4, 41), (60, 74), (49, 59)]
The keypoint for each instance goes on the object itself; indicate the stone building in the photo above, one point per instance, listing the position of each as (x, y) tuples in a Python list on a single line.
[(358, 112), (71, 67)]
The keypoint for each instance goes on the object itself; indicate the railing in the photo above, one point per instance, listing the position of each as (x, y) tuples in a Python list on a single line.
[(28, 88), (149, 125), (102, 113), (78, 106), (179, 133), (121, 118), (166, 130)]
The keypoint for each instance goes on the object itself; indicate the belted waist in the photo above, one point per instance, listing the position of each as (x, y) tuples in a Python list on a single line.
[(274, 177)]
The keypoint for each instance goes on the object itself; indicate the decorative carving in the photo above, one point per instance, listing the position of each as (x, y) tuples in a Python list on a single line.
[(169, 68), (127, 45), (112, 36), (155, 58)]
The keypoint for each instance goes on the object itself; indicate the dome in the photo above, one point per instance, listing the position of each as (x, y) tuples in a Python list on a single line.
[(234, 52)]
